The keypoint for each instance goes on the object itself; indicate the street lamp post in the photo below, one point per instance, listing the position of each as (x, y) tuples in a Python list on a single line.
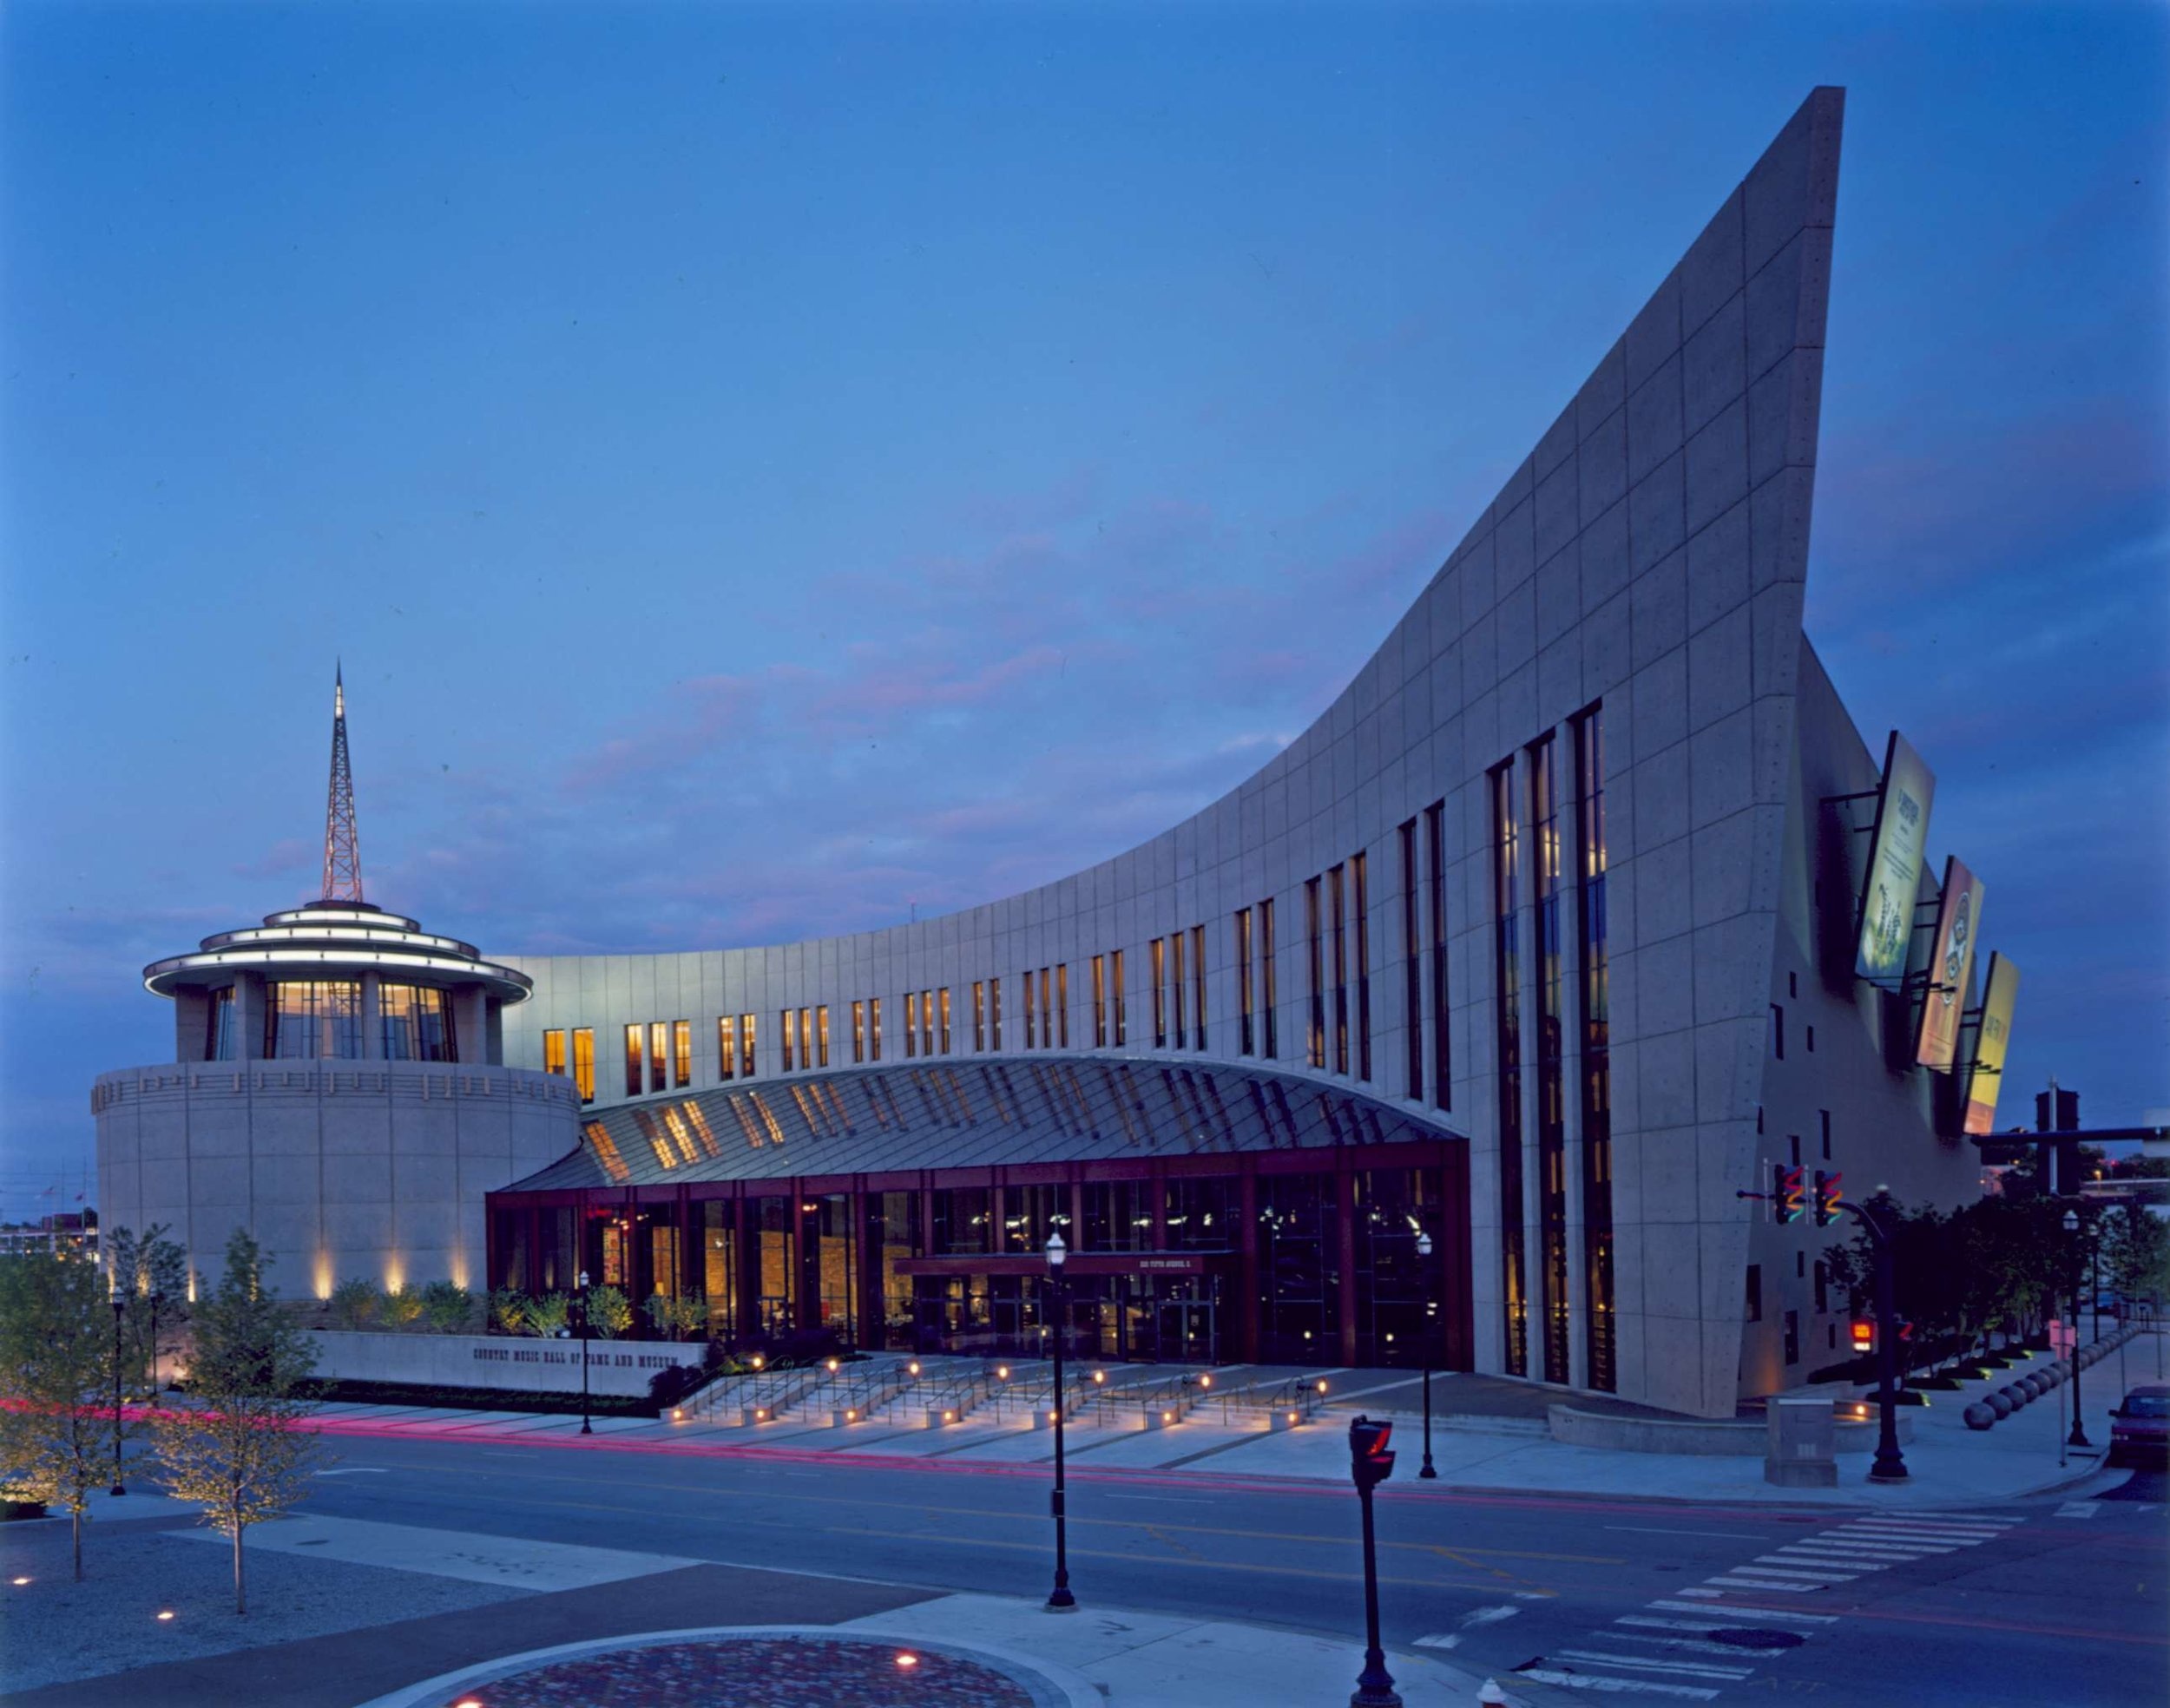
[(581, 1306), (1059, 1599), (120, 1304), (1423, 1254), (2078, 1435)]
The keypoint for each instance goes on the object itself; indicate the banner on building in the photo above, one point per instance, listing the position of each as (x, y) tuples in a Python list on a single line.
[(1895, 850), (1999, 990), (1950, 959)]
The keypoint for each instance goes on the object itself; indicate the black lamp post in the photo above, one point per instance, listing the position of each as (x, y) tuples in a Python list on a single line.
[(2078, 1435), (156, 1298), (1059, 1599), (1423, 1253), (579, 1307), (120, 1304)]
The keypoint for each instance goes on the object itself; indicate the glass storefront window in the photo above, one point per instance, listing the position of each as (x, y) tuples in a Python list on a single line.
[(719, 1267), (1299, 1273), (961, 1218), (1115, 1216), (315, 1018), (1397, 1290), (1030, 1214), (776, 1239), (417, 1023), (1201, 1215)]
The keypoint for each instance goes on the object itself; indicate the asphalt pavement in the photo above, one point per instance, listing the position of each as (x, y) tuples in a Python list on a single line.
[(2057, 1599)]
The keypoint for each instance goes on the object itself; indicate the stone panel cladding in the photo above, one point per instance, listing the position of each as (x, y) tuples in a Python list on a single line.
[(372, 1169)]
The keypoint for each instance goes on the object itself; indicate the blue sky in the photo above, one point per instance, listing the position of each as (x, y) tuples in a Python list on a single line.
[(765, 469)]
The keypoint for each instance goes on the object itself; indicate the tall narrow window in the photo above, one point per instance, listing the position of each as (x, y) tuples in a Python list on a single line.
[(926, 1023), (659, 1056), (584, 1062), (1100, 1002), (1552, 1133), (911, 1022), (553, 1051), (874, 1025), (1359, 871), (979, 1015), (805, 1038), (1507, 974), (1244, 1035), (1028, 1031), (945, 1020), (682, 1051), (746, 1045), (727, 1048), (1047, 1012), (1175, 981), (1436, 851), (1315, 1053), (785, 1027), (1122, 1008), (1597, 1081), (994, 1011), (1198, 987), (415, 1023), (1270, 981), (1412, 965), (859, 1030), (821, 1019), (1337, 908), (1063, 1002), (1156, 951), (633, 1034)]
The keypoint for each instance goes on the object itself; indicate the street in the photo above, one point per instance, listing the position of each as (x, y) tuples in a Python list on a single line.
[(2055, 1600)]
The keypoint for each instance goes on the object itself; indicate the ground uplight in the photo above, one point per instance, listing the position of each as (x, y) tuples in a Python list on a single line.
[(18, 1582), (907, 1661), (163, 1616)]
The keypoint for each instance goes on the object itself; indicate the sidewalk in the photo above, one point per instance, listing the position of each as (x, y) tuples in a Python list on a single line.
[(1949, 1464)]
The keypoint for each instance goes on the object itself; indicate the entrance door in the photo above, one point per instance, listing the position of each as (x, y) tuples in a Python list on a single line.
[(1188, 1332)]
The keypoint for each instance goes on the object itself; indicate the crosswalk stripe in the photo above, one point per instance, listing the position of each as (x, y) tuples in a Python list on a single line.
[(1802, 1557), (1590, 1681), (1905, 1527), (1758, 1616), (1680, 1644), (1692, 1669), (1876, 1541), (1827, 1573), (1793, 1588)]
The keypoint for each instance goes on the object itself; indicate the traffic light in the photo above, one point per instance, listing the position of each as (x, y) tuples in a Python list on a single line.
[(1785, 1196), (1905, 1331), (1827, 1194), (1370, 1463), (1863, 1332)]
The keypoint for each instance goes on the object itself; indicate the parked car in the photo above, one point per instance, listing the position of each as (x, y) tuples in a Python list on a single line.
[(2139, 1428)]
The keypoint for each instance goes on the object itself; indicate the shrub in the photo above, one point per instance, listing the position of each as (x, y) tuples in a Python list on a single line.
[(547, 1316), (401, 1307), (446, 1307), (353, 1303), (609, 1312), (674, 1319), (670, 1385), (509, 1311)]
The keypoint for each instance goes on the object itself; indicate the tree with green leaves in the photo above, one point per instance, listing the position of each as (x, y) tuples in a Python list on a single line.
[(240, 1448), (55, 1382), (609, 1312), (353, 1303), (2135, 1252), (151, 1274)]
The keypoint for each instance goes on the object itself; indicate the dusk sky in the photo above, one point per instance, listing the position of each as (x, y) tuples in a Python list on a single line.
[(767, 469)]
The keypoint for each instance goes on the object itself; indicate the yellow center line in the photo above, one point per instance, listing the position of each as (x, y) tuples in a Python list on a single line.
[(1462, 1556)]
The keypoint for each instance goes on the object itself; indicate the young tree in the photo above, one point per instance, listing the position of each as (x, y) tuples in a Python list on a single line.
[(2135, 1252), (55, 1382), (240, 1448), (151, 1272)]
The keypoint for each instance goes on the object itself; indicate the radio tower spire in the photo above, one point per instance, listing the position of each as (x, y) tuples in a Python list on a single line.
[(342, 858)]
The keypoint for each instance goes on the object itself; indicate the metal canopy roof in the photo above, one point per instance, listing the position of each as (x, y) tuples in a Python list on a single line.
[(971, 1113)]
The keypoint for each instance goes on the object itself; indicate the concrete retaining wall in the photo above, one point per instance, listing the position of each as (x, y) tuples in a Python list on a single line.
[(1695, 1436), (509, 1363)]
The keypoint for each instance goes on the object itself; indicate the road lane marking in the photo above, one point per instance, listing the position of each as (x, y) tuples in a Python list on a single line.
[(2079, 1509), (1649, 1530), (1676, 1644), (1810, 1562), (1591, 1681), (1764, 1615), (1693, 1668)]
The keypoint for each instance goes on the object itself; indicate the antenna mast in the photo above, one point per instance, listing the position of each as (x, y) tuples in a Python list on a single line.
[(342, 856)]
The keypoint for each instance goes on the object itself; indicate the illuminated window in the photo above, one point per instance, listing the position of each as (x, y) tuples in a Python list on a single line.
[(659, 1056), (584, 1062), (805, 1038), (911, 1022), (1122, 1011), (926, 1023), (727, 1048), (1175, 982), (1507, 980), (1244, 1038), (682, 1051), (1198, 987), (218, 1045), (995, 1010), (746, 1045), (1028, 1021), (317, 1018), (633, 1043), (858, 1031), (1156, 953), (416, 1023), (1063, 1002), (979, 1016), (1413, 964), (1436, 851), (1360, 895), (1596, 1065), (1100, 1002), (1047, 1005), (1315, 1052), (553, 1052), (1269, 980), (821, 1019), (787, 1024), (945, 1020), (874, 1022), (1552, 1184), (1337, 900)]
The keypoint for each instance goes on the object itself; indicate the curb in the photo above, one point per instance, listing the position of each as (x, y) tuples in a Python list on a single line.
[(1061, 1688)]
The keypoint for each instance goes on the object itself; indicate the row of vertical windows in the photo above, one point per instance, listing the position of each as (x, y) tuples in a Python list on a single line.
[(1552, 1132), (323, 1018), (583, 1058), (1597, 1099), (1110, 1019), (987, 1013), (734, 1047), (1507, 974), (1332, 950), (806, 1035), (1257, 1022), (667, 1058), (1177, 994), (1052, 1030)]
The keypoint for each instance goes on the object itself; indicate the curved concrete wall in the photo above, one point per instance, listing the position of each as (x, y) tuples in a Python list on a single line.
[(1648, 555), (372, 1169)]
